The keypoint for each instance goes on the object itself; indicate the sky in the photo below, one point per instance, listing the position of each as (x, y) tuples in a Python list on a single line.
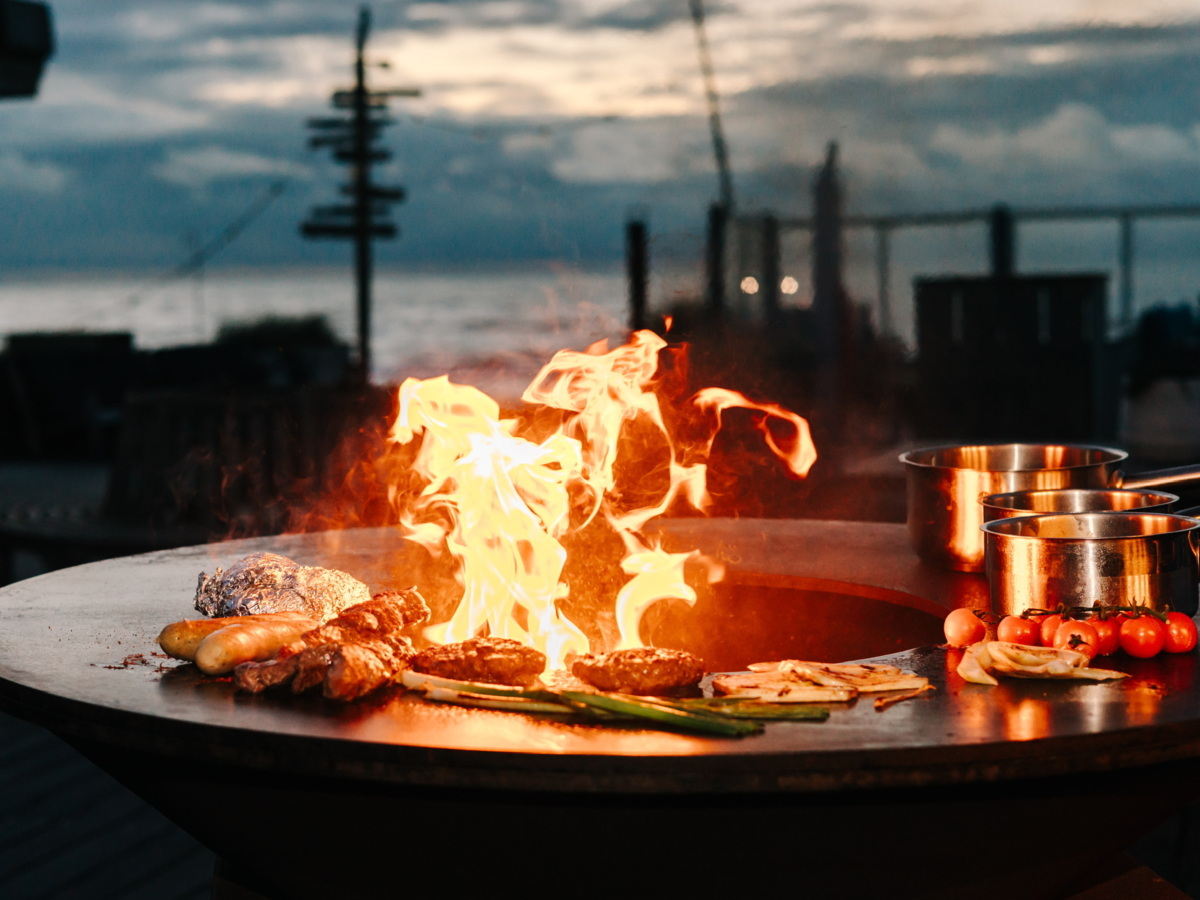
[(543, 126)]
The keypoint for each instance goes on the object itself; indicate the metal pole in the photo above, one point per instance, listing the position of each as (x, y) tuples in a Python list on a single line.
[(1126, 265), (770, 269), (636, 264), (1002, 232), (830, 313), (828, 295), (714, 259), (362, 200), (883, 265)]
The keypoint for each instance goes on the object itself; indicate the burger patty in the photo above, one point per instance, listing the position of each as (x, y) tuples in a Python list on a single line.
[(639, 670), (488, 659)]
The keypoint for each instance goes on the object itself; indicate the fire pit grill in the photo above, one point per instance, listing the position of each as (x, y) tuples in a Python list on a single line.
[(297, 793)]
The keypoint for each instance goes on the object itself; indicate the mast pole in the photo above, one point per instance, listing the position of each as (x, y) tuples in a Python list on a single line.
[(362, 199)]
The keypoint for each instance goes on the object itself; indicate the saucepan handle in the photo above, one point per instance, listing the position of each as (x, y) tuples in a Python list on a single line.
[(1159, 477), (1192, 512)]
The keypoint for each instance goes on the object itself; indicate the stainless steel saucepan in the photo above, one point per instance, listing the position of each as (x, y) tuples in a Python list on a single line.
[(946, 483), (1093, 558), (1074, 500)]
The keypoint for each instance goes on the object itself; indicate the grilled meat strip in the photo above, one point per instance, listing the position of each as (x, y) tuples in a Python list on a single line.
[(639, 670), (356, 669), (349, 656), (487, 659), (309, 667), (260, 676), (387, 613)]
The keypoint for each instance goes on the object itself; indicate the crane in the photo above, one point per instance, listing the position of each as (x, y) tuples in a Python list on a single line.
[(720, 149)]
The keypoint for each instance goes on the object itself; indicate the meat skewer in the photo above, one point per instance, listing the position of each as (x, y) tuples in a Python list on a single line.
[(349, 656)]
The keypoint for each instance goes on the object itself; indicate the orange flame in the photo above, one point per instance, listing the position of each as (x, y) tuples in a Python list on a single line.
[(500, 497)]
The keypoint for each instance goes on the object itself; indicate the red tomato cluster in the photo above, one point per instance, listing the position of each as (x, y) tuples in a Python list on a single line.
[(1138, 634)]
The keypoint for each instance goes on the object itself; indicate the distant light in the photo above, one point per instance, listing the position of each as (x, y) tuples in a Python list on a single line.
[(749, 285), (789, 285)]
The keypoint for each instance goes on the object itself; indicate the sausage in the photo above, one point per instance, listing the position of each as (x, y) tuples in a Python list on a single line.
[(254, 640), (180, 639)]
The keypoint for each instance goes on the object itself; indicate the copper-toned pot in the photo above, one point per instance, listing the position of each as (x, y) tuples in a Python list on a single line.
[(1091, 559), (1074, 500), (946, 483)]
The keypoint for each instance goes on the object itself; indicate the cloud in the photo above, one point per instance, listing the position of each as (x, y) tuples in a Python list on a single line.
[(1074, 139), (640, 15), (1073, 135), (197, 169), (22, 175), (1154, 144), (560, 114), (440, 15), (75, 108), (632, 153)]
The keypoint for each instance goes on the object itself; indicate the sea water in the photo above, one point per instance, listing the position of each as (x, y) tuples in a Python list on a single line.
[(492, 327)]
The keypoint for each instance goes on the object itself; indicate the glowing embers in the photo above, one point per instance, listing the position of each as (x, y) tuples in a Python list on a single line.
[(594, 457)]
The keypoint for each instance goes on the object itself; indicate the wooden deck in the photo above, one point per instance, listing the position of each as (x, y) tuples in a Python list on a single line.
[(70, 832), (67, 830)]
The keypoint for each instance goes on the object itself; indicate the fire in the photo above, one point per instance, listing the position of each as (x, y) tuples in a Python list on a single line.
[(502, 494)]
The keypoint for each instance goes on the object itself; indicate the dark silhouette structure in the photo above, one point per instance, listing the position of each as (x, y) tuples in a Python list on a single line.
[(722, 209), (1011, 357), (829, 291), (637, 266), (353, 138), (26, 42)]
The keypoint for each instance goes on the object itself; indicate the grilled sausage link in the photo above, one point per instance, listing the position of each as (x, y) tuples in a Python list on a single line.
[(241, 641), (180, 639)]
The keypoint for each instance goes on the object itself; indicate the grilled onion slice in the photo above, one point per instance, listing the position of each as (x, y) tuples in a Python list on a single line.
[(983, 661)]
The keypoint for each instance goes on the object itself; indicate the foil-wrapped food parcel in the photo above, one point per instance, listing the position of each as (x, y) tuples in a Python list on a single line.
[(269, 583)]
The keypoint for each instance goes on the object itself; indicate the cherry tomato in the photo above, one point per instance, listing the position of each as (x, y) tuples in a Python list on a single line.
[(1108, 634), (963, 628), (1143, 636), (1078, 636), (1181, 633), (1049, 625), (1017, 630)]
